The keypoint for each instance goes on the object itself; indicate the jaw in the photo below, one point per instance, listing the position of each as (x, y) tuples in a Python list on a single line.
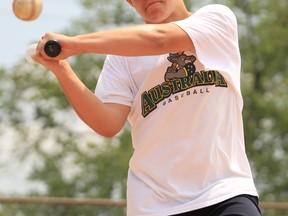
[(160, 11)]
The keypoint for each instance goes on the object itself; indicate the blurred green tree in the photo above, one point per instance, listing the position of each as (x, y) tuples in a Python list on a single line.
[(263, 42)]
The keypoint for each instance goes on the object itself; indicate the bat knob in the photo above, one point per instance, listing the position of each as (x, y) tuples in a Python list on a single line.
[(52, 48)]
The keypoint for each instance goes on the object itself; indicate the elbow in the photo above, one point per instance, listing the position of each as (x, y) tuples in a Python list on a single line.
[(104, 127), (168, 38), (162, 43), (157, 39), (107, 132)]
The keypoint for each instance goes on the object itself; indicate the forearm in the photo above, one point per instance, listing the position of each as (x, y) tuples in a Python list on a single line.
[(88, 107), (137, 40)]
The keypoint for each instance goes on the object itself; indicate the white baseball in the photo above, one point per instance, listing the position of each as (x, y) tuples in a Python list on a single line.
[(27, 10)]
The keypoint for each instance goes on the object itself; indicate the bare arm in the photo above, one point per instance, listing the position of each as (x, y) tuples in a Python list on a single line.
[(139, 40), (148, 39), (105, 119)]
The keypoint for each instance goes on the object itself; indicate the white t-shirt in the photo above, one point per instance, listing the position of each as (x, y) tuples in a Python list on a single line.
[(185, 118)]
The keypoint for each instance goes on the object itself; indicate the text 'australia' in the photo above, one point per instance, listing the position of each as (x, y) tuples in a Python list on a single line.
[(151, 98)]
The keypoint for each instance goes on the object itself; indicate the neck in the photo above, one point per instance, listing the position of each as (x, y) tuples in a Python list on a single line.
[(180, 14)]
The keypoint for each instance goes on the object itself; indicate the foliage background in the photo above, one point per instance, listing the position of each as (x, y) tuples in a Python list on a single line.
[(70, 160)]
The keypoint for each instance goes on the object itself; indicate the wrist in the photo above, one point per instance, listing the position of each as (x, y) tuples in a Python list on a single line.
[(77, 45), (59, 68)]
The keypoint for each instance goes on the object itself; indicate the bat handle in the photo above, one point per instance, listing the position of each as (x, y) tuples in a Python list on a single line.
[(52, 48)]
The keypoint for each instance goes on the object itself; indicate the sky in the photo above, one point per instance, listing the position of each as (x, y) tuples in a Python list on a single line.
[(16, 35)]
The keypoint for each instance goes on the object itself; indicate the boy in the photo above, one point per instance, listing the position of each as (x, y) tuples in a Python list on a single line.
[(176, 79)]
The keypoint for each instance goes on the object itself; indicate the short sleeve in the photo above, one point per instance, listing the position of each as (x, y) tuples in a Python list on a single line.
[(113, 83), (213, 30)]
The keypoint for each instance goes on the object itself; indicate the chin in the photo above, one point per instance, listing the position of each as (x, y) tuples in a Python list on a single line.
[(156, 20)]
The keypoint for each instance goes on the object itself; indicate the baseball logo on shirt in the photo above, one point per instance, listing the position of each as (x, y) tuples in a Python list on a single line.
[(179, 77), (182, 66)]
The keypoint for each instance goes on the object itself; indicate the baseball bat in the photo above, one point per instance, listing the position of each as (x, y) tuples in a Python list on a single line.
[(52, 48)]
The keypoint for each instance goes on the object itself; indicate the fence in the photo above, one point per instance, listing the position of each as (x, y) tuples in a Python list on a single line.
[(45, 206)]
